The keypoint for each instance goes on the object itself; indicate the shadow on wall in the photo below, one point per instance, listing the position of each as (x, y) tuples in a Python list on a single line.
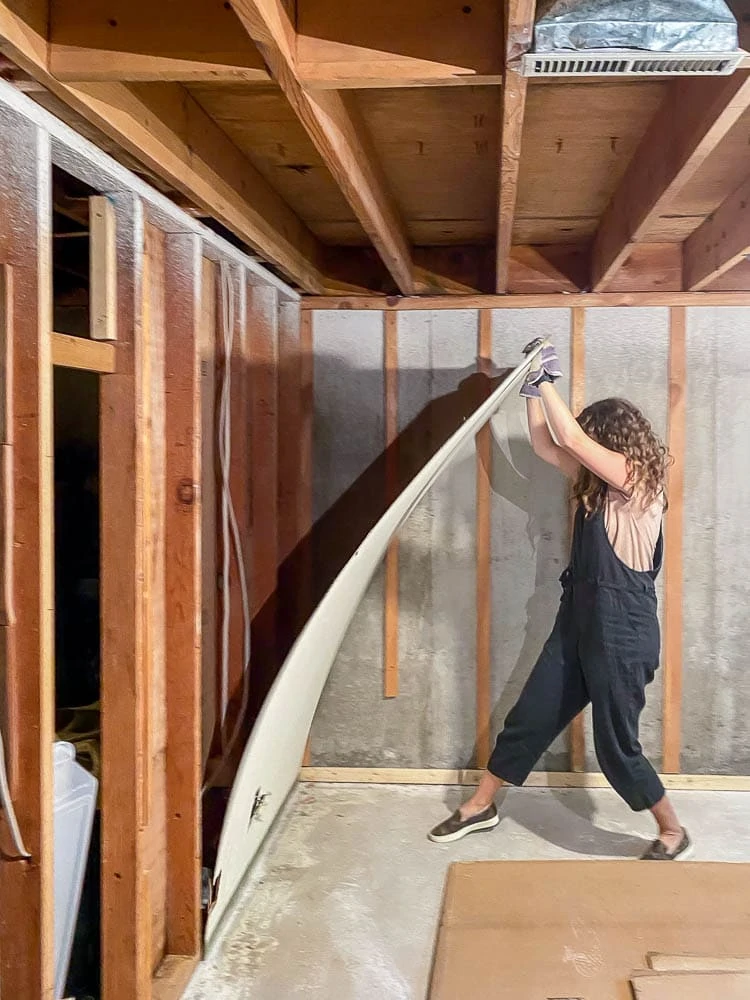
[(311, 568), (308, 572)]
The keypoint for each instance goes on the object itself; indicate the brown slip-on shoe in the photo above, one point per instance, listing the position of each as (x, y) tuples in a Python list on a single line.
[(658, 851), (454, 828)]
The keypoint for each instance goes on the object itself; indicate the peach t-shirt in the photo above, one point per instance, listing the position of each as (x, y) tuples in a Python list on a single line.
[(632, 529)]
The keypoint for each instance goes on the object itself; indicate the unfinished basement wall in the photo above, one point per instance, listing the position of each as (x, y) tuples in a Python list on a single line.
[(161, 345), (432, 720)]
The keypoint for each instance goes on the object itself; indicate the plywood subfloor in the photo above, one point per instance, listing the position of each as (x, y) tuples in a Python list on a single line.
[(578, 140), (439, 150), (260, 121), (345, 899)]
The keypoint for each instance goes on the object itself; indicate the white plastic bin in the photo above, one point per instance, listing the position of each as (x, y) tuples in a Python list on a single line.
[(75, 793)]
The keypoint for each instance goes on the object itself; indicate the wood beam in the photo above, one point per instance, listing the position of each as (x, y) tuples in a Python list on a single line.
[(437, 43), (720, 243), (132, 40), (126, 967), (391, 609), (537, 779), (519, 28), (693, 119), (577, 733), (27, 666), (86, 355), (102, 268), (183, 295), (165, 129), (333, 124), (484, 558), (603, 300), (674, 542)]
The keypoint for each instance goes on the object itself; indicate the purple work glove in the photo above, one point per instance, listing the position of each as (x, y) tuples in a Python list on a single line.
[(549, 369)]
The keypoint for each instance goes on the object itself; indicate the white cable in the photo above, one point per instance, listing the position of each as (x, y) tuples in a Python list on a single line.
[(7, 804), (227, 317), (231, 538)]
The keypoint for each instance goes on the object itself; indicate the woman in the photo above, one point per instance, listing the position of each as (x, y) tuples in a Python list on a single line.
[(604, 647)]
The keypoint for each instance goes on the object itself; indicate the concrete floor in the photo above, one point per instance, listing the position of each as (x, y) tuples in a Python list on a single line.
[(344, 902)]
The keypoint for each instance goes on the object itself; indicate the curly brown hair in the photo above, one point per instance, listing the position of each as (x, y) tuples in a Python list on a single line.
[(618, 425)]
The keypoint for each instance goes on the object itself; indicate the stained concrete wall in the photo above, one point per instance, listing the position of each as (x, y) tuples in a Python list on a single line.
[(432, 721), (716, 694)]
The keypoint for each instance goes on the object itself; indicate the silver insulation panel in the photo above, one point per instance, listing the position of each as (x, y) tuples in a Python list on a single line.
[(650, 25)]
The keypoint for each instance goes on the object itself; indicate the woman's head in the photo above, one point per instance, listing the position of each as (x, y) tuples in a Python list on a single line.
[(618, 425)]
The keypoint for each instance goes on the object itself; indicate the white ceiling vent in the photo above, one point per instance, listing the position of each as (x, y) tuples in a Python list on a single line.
[(633, 38), (624, 62)]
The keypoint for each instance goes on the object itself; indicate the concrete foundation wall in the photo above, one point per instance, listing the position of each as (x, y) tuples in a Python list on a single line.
[(716, 701), (432, 722)]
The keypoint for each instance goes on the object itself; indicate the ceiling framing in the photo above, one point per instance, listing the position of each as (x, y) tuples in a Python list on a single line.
[(400, 152)]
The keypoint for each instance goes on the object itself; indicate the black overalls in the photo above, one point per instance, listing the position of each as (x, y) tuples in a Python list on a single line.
[(604, 649)]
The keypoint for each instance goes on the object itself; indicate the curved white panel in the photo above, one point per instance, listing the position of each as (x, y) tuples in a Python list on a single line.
[(273, 755)]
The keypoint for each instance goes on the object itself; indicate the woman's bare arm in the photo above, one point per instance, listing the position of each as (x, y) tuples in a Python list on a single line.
[(610, 466), (542, 442)]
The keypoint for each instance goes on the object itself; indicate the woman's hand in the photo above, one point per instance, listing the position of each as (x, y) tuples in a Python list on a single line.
[(541, 440), (548, 370)]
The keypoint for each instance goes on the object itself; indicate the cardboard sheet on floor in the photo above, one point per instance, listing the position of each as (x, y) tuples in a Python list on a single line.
[(698, 963), (693, 986), (578, 930)]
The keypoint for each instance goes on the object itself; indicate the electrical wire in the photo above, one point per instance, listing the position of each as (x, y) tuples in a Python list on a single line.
[(7, 804), (231, 538)]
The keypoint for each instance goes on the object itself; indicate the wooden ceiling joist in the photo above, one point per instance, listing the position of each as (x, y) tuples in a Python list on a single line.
[(131, 40), (695, 116), (164, 128), (720, 243), (339, 136), (519, 29)]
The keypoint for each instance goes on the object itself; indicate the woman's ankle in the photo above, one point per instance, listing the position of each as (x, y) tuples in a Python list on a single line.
[(475, 805)]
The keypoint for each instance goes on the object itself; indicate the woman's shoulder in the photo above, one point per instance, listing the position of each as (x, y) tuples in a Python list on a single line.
[(636, 503)]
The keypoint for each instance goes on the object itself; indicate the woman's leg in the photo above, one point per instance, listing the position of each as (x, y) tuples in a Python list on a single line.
[(670, 830), (483, 797), (617, 681), (552, 696)]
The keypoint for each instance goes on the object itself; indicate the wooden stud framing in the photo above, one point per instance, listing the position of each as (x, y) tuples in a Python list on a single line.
[(391, 612), (262, 321), (289, 418), (577, 399), (27, 672), (209, 548), (184, 597), (720, 243), (305, 494), (340, 137), (484, 560), (240, 404), (537, 779), (673, 584), (519, 28), (168, 131), (86, 355), (103, 269), (263, 325), (6, 510), (126, 961), (694, 118), (602, 300)]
